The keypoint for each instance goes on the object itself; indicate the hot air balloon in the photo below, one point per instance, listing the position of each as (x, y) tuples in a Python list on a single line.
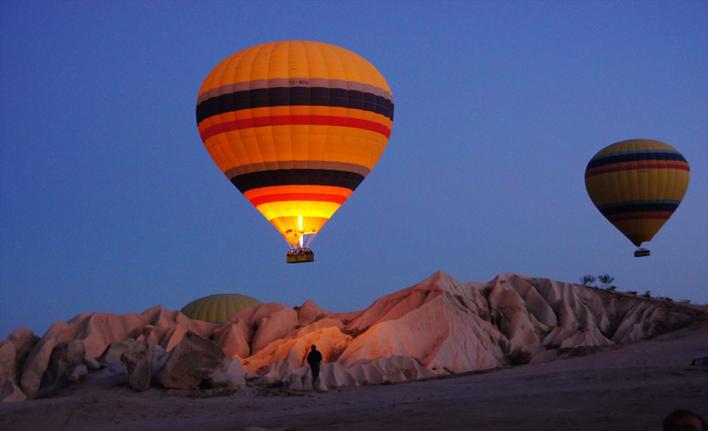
[(218, 308), (295, 126), (637, 184)]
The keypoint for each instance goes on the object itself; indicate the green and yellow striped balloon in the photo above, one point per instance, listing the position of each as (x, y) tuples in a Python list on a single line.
[(218, 308), (637, 184), (295, 126)]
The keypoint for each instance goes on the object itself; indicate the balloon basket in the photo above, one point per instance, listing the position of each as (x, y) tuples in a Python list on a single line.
[(641, 252), (300, 255)]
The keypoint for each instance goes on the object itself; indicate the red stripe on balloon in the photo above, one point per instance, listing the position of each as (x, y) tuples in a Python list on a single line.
[(637, 165), (319, 197), (285, 120)]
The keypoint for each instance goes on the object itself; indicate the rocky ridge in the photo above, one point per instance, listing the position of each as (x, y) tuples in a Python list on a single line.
[(437, 327)]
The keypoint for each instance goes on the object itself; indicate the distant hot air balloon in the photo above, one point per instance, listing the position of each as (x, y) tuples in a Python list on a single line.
[(296, 126), (637, 184), (218, 308)]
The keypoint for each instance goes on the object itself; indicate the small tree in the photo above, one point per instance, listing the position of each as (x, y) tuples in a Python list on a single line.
[(606, 280), (587, 280)]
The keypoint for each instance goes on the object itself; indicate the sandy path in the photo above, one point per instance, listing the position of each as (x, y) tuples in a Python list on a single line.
[(631, 388)]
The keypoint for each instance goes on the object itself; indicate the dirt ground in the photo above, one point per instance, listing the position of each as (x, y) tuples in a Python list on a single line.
[(628, 388)]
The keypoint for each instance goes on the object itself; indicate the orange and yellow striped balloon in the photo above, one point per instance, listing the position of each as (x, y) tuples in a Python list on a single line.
[(637, 184), (295, 126)]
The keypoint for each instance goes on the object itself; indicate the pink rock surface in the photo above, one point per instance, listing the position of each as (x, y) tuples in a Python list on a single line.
[(310, 312), (272, 326), (445, 326), (279, 357), (436, 327), (232, 337), (390, 369)]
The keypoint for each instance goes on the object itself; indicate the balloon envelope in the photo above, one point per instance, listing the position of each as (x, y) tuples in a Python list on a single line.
[(637, 184), (218, 308), (295, 126)]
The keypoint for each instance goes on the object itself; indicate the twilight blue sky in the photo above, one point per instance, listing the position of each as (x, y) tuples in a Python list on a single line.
[(109, 202)]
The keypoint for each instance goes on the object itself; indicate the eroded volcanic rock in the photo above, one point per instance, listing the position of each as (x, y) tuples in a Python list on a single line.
[(446, 326), (138, 363), (192, 361), (437, 327)]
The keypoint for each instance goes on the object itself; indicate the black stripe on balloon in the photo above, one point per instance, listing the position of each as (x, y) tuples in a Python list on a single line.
[(639, 207), (284, 177), (635, 157), (292, 96)]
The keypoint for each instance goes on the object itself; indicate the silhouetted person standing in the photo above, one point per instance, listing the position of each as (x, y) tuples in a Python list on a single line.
[(314, 358)]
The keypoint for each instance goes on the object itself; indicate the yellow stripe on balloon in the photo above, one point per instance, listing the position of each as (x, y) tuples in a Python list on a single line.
[(651, 184), (301, 142)]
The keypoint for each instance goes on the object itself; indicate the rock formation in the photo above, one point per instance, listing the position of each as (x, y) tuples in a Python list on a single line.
[(138, 363), (192, 361), (443, 326), (229, 374), (65, 365), (8, 370), (437, 327)]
